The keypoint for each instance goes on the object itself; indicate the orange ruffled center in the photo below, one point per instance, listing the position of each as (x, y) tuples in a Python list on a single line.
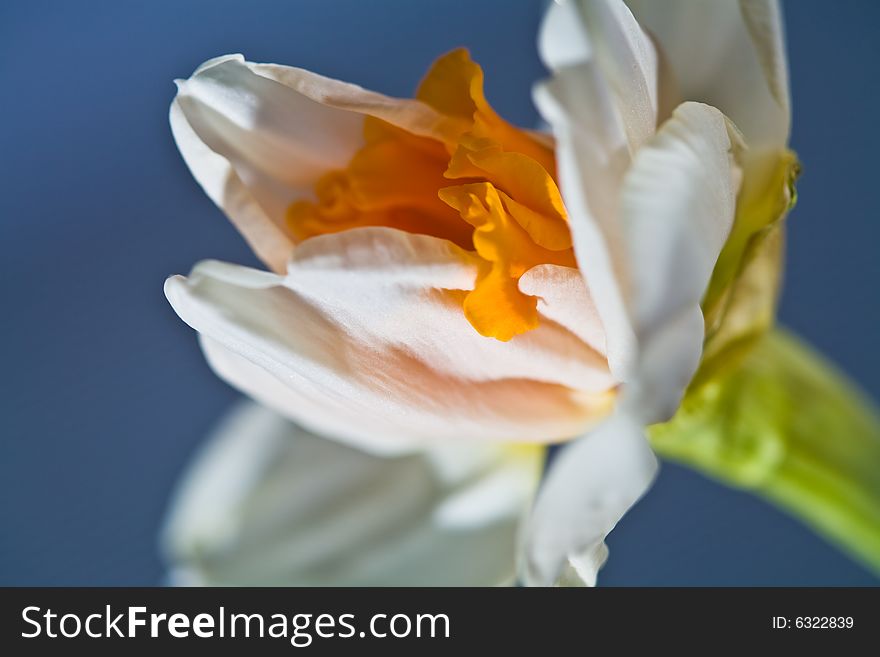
[(487, 186)]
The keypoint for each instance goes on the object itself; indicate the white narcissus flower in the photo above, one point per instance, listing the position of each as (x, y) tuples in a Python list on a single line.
[(445, 281)]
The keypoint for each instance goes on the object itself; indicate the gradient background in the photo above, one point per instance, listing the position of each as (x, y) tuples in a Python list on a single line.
[(104, 392)]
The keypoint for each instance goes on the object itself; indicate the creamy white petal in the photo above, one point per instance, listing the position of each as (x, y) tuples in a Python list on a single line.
[(563, 40), (258, 136), (590, 485), (676, 211), (277, 143), (628, 61), (267, 503), (730, 55), (592, 155), (763, 19), (604, 32), (601, 103), (304, 404), (367, 332), (267, 237), (677, 206), (563, 297), (412, 115), (265, 128)]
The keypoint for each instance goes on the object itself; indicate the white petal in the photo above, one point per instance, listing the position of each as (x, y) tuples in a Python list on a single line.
[(730, 55), (602, 106), (563, 297), (222, 184), (412, 115), (277, 143), (575, 32), (267, 503), (677, 207), (258, 136), (677, 204), (588, 488), (592, 155), (365, 338), (563, 40), (304, 405)]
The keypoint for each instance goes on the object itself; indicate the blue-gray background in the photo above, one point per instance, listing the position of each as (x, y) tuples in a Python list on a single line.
[(103, 391)]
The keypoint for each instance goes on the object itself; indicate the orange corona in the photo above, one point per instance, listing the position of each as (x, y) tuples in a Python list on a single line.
[(489, 187)]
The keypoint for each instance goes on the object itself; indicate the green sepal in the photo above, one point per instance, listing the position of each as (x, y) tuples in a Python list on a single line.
[(787, 425)]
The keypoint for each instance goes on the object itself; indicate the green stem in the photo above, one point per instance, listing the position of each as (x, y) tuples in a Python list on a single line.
[(790, 427)]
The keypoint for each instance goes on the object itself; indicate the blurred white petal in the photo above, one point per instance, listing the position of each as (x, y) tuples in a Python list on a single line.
[(267, 503), (365, 340), (590, 485), (727, 54)]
